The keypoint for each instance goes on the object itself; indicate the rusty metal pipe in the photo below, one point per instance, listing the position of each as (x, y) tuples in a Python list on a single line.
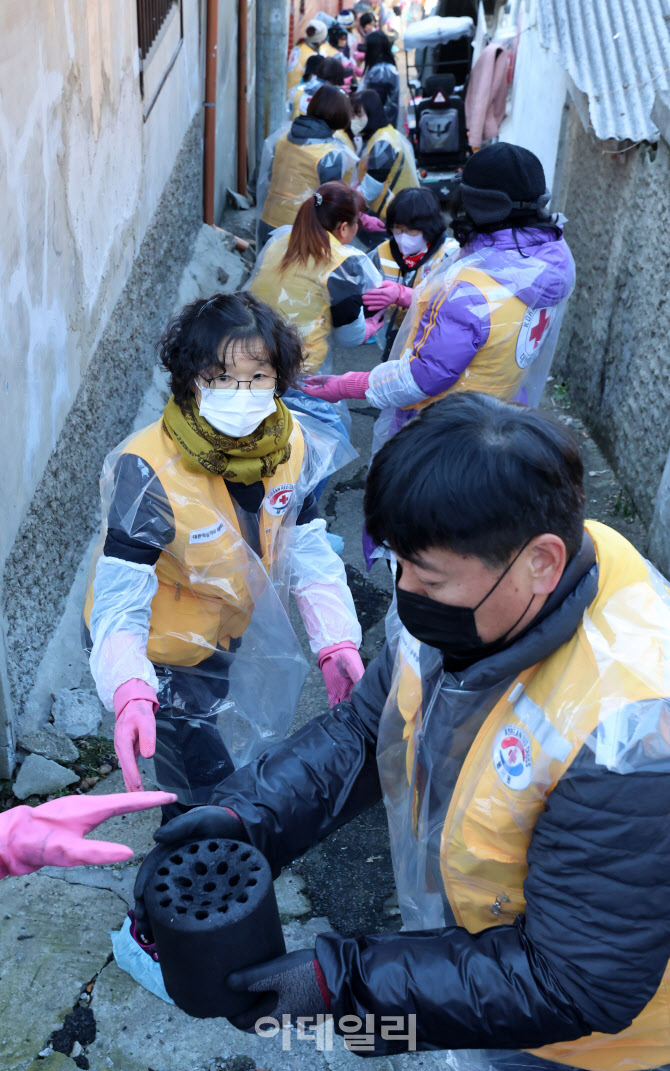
[(208, 170), (242, 34)]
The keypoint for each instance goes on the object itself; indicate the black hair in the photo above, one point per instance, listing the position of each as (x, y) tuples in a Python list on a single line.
[(477, 476), (332, 70), (419, 209), (369, 101), (377, 49), (335, 33), (312, 67), (192, 341), (366, 18), (332, 105)]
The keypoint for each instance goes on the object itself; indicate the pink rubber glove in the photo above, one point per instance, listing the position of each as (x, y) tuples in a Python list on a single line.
[(371, 223), (359, 56), (335, 388), (372, 325), (135, 704), (341, 667), (389, 293), (52, 834)]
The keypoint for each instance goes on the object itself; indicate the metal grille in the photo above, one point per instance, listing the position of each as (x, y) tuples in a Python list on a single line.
[(151, 14)]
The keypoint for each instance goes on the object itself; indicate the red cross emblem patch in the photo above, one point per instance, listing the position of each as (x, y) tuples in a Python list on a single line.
[(535, 329), (277, 500)]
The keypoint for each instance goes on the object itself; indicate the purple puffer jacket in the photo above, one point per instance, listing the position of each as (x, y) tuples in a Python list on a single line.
[(540, 271)]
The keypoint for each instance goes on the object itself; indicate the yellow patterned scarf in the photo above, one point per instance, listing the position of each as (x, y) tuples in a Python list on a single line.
[(245, 460)]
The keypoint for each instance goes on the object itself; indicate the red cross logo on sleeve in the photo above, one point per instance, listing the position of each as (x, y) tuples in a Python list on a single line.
[(539, 329)]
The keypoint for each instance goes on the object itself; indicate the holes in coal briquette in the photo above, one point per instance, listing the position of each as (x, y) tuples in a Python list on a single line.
[(244, 856), (176, 859), (251, 881), (166, 902), (187, 897), (226, 896), (213, 846), (222, 910), (163, 871), (200, 868), (180, 910), (206, 903), (202, 914), (255, 869), (222, 868), (234, 880), (233, 847), (209, 886), (193, 848), (242, 898), (184, 882)]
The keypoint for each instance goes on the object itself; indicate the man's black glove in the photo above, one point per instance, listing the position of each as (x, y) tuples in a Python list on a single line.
[(292, 985), (200, 823)]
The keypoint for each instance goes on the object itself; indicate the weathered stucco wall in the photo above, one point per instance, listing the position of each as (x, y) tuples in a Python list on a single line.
[(615, 342), (100, 210), (81, 175)]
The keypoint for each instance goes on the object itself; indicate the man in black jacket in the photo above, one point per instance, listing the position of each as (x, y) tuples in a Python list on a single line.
[(516, 725)]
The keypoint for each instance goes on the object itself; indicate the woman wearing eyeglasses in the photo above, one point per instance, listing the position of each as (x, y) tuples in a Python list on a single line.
[(208, 521)]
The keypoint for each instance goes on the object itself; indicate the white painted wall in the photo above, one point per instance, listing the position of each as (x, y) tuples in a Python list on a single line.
[(539, 88), (81, 174)]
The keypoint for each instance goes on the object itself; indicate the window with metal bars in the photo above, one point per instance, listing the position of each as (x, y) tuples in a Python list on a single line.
[(151, 14)]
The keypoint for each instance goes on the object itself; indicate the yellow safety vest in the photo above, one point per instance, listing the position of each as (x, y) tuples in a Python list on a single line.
[(544, 717), (493, 369), (390, 269), (203, 596), (296, 63), (301, 294), (402, 175), (294, 178)]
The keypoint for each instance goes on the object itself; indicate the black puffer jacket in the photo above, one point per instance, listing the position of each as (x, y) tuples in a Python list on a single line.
[(592, 946)]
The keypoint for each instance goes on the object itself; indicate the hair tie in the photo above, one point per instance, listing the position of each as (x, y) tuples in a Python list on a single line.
[(318, 199)]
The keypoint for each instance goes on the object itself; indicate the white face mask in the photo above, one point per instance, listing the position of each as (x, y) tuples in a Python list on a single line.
[(358, 124), (236, 412), (410, 244)]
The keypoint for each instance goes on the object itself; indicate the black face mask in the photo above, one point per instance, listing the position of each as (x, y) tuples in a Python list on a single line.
[(451, 629)]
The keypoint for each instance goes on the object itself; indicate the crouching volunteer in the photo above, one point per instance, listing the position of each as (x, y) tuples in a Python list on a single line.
[(298, 159), (313, 276), (518, 736), (387, 159), (418, 242), (489, 319), (208, 521)]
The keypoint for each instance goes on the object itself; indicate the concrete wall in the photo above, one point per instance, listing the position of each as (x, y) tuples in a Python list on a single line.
[(81, 174), (84, 171), (615, 342)]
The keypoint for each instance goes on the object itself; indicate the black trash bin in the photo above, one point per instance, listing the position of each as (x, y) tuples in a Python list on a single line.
[(212, 910)]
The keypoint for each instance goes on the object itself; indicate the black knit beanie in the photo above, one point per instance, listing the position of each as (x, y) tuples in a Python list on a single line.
[(510, 168), (502, 181)]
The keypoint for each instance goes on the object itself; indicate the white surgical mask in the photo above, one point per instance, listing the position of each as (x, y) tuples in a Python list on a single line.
[(410, 244), (236, 412), (357, 125)]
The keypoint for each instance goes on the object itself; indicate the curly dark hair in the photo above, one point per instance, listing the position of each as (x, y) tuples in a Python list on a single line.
[(199, 338)]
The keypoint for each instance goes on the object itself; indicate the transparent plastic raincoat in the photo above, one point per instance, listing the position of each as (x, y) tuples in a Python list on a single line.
[(527, 799), (385, 81), (296, 160), (486, 319), (189, 591), (467, 772), (386, 167), (308, 295)]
